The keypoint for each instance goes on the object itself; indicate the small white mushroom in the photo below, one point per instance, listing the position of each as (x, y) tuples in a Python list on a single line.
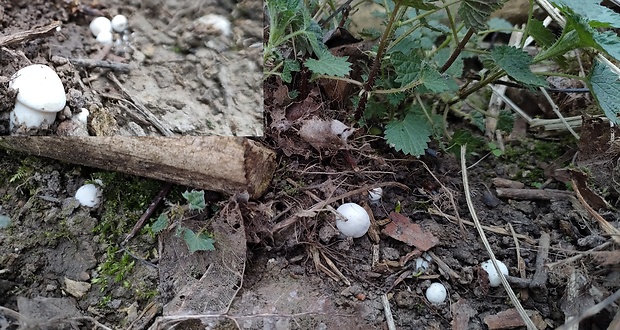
[(40, 96), (436, 293), (88, 195), (99, 25), (119, 23), (494, 279), (357, 220), (374, 195), (105, 37), (217, 22)]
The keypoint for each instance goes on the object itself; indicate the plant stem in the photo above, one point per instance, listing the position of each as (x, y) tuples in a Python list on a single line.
[(457, 51), (488, 80), (361, 105)]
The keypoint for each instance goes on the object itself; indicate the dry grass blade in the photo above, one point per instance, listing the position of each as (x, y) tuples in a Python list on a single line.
[(591, 311), (470, 205), (607, 227)]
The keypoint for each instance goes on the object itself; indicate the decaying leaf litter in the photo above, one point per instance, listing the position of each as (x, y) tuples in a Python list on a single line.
[(166, 74)]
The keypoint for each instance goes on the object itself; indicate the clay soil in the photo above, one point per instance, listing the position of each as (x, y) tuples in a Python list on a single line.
[(62, 265), (187, 77)]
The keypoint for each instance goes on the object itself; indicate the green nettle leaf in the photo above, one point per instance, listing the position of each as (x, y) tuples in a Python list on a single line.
[(605, 86), (542, 35), (597, 15), (197, 242), (410, 135), (289, 66), (516, 63), (609, 42), (196, 199), (417, 4), (329, 64), (435, 82), (408, 67), (160, 224), (475, 13), (505, 121), (5, 221)]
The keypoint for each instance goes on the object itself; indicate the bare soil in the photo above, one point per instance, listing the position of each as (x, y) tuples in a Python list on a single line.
[(190, 78)]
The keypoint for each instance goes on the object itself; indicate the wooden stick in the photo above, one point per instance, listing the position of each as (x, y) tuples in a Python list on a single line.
[(89, 63), (533, 194), (219, 163), (35, 33)]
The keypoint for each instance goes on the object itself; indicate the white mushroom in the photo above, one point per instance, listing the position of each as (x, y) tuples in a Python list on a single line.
[(88, 195), (494, 277), (105, 37), (436, 293), (119, 23), (357, 220), (40, 96), (99, 25)]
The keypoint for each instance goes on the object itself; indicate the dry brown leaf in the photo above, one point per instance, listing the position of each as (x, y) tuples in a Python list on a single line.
[(325, 134), (403, 229), (605, 258)]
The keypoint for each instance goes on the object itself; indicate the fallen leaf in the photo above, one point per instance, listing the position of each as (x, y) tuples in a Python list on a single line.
[(325, 134), (403, 229)]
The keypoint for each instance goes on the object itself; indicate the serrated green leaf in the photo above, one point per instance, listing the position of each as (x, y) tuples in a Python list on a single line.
[(196, 199), (475, 13), (516, 63), (289, 66), (541, 34), (598, 16), (160, 224), (500, 24), (417, 4), (506, 120), (407, 67), (410, 135), (609, 42), (197, 242), (329, 65), (435, 82), (605, 87)]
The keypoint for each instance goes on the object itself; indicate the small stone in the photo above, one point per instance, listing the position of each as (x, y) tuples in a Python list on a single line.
[(75, 288), (390, 253), (326, 233)]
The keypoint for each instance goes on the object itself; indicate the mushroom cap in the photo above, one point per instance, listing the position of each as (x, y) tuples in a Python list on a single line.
[(119, 23), (39, 88), (100, 24), (358, 220)]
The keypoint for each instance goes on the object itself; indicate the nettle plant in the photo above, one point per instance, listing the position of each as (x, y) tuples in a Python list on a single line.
[(173, 218), (411, 82)]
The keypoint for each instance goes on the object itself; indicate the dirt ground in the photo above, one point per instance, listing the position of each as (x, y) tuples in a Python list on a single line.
[(177, 75), (55, 253), (279, 262)]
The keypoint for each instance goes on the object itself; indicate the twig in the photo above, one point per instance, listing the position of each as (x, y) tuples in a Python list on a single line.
[(443, 266), (533, 194), (35, 33), (495, 230), (539, 280), (89, 63), (607, 227), (556, 110), (513, 298), (389, 318), (141, 108), (578, 256), (149, 211)]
